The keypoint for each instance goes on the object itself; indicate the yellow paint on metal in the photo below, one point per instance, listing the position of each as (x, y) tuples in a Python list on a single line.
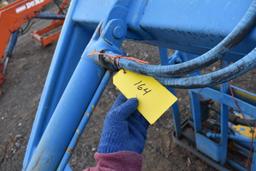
[(246, 131)]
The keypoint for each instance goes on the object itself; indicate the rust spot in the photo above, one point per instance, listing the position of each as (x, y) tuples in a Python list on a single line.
[(37, 162), (69, 150)]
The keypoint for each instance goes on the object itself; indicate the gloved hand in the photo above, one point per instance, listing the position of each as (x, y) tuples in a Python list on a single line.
[(124, 129)]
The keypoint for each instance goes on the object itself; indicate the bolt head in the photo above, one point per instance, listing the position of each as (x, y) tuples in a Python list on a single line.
[(119, 32)]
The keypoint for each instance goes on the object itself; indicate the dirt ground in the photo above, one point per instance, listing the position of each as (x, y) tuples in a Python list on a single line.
[(20, 96)]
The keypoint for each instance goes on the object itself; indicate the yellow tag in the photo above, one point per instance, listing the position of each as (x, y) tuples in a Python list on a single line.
[(154, 99)]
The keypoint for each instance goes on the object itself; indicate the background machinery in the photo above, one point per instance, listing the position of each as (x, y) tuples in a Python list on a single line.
[(15, 18), (221, 127)]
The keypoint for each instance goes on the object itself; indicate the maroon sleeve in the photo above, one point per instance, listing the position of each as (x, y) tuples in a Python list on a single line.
[(119, 161)]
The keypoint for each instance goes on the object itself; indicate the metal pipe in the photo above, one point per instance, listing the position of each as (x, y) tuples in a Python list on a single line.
[(84, 121), (12, 43), (50, 16), (50, 95), (67, 115), (236, 137), (10, 49), (236, 165)]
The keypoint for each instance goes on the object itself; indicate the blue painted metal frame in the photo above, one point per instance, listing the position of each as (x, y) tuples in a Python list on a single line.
[(190, 26), (219, 151), (53, 133), (84, 121), (67, 54), (75, 82), (164, 57)]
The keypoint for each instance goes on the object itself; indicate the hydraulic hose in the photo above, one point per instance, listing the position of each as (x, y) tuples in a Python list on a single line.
[(228, 73), (50, 16), (240, 31)]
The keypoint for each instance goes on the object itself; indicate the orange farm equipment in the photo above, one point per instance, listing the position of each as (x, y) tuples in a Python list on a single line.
[(15, 15)]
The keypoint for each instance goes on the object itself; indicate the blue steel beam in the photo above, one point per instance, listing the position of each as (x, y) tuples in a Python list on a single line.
[(164, 58), (67, 115), (66, 56), (84, 121), (228, 100), (72, 96), (190, 26), (224, 112)]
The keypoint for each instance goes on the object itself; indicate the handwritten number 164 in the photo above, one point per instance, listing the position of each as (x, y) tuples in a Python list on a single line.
[(143, 87)]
